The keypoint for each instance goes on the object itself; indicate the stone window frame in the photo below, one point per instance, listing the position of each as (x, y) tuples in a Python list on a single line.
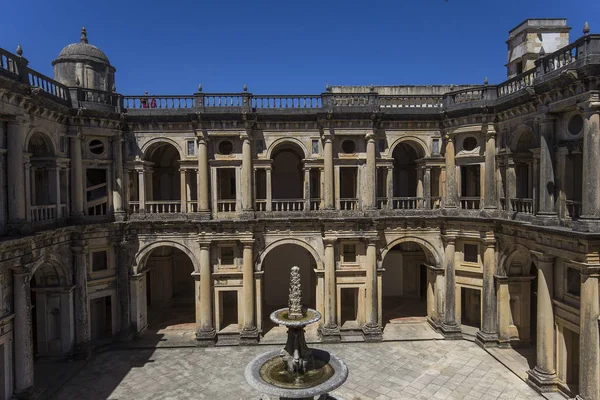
[(567, 292), (573, 136), (96, 155), (233, 247), (188, 148), (343, 262), (471, 263), (218, 147), (110, 264), (314, 142)]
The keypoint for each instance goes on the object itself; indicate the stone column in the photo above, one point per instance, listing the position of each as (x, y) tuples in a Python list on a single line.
[(249, 334), (203, 178), (269, 190), (490, 199), (142, 190), (546, 172), (503, 307), (23, 335), (124, 262), (487, 336), (246, 173), (451, 186), (330, 331), (183, 190), (205, 333), (590, 205), (420, 203), (119, 186), (543, 376), (371, 330), (82, 328), (511, 183), (328, 171), (589, 314), (57, 190), (390, 188), (77, 176), (15, 173), (306, 188), (427, 187), (369, 198), (450, 328)]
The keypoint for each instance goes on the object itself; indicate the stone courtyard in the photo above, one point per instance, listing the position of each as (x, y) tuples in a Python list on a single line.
[(392, 370)]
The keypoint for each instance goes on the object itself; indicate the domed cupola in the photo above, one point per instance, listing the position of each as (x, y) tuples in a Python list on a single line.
[(82, 64)]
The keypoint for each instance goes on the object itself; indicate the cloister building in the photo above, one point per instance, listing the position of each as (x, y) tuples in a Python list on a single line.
[(468, 205)]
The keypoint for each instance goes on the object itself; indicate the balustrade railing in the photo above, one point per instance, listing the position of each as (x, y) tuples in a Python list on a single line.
[(315, 204), (406, 203), (436, 202), (382, 203), (99, 97), (9, 63), (517, 83), (348, 100), (260, 205), (224, 100), (48, 85), (43, 213), (573, 208), (160, 102), (348, 204), (134, 207), (226, 205), (97, 208), (163, 207), (192, 206), (524, 206), (409, 101), (277, 101), (288, 205), (470, 203)]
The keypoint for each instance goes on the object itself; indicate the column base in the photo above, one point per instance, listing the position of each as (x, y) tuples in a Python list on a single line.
[(545, 219), (120, 216), (249, 336), (206, 338), (486, 340), (372, 333), (83, 351), (542, 381), (451, 331), (587, 224), (330, 334), (433, 323)]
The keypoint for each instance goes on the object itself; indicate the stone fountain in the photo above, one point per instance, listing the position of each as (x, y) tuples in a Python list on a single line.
[(296, 371)]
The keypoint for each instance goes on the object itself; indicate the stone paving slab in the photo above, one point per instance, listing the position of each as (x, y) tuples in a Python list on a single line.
[(390, 370)]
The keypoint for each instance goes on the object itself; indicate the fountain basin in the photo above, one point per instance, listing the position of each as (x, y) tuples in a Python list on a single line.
[(267, 373), (281, 317)]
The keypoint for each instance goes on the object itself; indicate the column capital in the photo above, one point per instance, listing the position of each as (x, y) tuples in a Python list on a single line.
[(591, 105), (247, 242), (489, 240), (450, 237), (204, 243), (370, 137), (327, 136), (246, 136), (329, 241)]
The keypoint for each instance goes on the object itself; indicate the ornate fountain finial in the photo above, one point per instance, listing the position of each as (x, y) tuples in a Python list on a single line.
[(295, 302), (586, 28), (83, 35), (19, 50)]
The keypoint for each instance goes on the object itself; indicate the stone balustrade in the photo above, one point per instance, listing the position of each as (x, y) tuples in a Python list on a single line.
[(43, 213), (470, 203)]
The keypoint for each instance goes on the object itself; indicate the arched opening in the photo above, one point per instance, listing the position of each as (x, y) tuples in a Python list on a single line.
[(51, 312), (405, 284), (406, 177), (277, 266), (163, 179), (287, 184), (170, 290), (522, 197), (44, 179)]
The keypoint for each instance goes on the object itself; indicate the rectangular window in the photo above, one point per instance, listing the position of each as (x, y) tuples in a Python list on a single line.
[(573, 282), (63, 144), (191, 148), (436, 146), (227, 256), (349, 253), (471, 251), (315, 146), (99, 261)]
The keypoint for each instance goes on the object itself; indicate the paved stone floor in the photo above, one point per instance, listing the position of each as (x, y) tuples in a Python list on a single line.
[(391, 370)]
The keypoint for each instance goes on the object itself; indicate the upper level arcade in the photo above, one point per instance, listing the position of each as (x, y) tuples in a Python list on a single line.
[(515, 150)]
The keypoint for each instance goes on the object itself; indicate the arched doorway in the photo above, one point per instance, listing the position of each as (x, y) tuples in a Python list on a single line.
[(44, 179), (405, 284), (170, 290), (406, 177), (51, 312), (164, 180), (287, 184), (277, 266)]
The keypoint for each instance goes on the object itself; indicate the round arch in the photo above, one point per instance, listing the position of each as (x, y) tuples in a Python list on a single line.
[(415, 142), (52, 261), (512, 252), (518, 134), (287, 140), (152, 144), (144, 253), (262, 255), (433, 256), (42, 136)]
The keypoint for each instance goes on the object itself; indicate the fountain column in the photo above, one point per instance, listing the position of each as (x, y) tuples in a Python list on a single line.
[(330, 331), (249, 334), (371, 330), (205, 333)]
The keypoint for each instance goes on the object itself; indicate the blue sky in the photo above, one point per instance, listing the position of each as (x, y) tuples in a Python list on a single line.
[(278, 47)]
